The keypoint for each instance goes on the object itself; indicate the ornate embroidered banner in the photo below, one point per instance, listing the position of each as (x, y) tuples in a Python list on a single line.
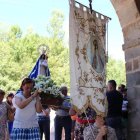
[(87, 58)]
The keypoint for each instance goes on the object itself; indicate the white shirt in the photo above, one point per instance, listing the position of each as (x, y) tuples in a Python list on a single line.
[(26, 117), (43, 113), (124, 105)]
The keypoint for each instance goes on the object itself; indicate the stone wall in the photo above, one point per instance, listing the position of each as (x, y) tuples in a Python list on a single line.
[(129, 16)]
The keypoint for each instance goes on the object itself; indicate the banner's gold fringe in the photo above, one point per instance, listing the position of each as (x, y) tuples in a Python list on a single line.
[(89, 104)]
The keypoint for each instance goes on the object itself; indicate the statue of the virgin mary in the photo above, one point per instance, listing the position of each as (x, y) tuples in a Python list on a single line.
[(41, 66)]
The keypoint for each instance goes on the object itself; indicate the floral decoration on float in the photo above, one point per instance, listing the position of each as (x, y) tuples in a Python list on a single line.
[(50, 93)]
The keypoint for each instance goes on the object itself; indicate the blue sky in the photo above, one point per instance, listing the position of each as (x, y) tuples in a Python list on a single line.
[(36, 13)]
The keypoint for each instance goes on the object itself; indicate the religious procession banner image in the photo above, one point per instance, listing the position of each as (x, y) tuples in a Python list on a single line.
[(87, 33)]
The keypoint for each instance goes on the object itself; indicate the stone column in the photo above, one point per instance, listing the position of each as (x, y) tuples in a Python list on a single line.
[(129, 18)]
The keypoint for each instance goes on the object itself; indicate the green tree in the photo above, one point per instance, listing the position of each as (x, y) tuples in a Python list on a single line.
[(19, 53), (59, 53), (116, 71), (54, 28), (15, 31)]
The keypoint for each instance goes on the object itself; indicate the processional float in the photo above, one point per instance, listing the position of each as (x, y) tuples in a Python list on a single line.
[(88, 57)]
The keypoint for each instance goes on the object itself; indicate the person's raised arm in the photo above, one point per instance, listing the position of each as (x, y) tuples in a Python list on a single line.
[(23, 103), (102, 133)]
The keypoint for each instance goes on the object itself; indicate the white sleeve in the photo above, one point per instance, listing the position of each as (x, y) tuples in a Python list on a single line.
[(19, 95)]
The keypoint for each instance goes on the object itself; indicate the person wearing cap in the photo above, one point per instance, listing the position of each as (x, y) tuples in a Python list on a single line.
[(63, 119), (99, 131)]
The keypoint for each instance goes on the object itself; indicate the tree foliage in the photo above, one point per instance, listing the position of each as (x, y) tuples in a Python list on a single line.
[(18, 53), (116, 71)]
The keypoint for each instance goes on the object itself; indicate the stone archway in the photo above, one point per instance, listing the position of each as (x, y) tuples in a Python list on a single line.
[(128, 12)]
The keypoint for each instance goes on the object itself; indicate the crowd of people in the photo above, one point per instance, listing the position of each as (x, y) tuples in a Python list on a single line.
[(31, 120), (90, 126), (23, 117)]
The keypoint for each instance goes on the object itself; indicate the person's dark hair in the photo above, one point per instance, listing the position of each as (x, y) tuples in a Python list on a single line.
[(64, 90), (27, 81), (121, 86), (10, 95), (113, 83), (2, 92)]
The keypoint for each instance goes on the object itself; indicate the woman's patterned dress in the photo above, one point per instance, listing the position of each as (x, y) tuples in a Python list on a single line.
[(79, 127), (3, 120)]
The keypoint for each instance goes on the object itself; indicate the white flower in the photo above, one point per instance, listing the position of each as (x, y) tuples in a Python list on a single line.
[(47, 85)]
